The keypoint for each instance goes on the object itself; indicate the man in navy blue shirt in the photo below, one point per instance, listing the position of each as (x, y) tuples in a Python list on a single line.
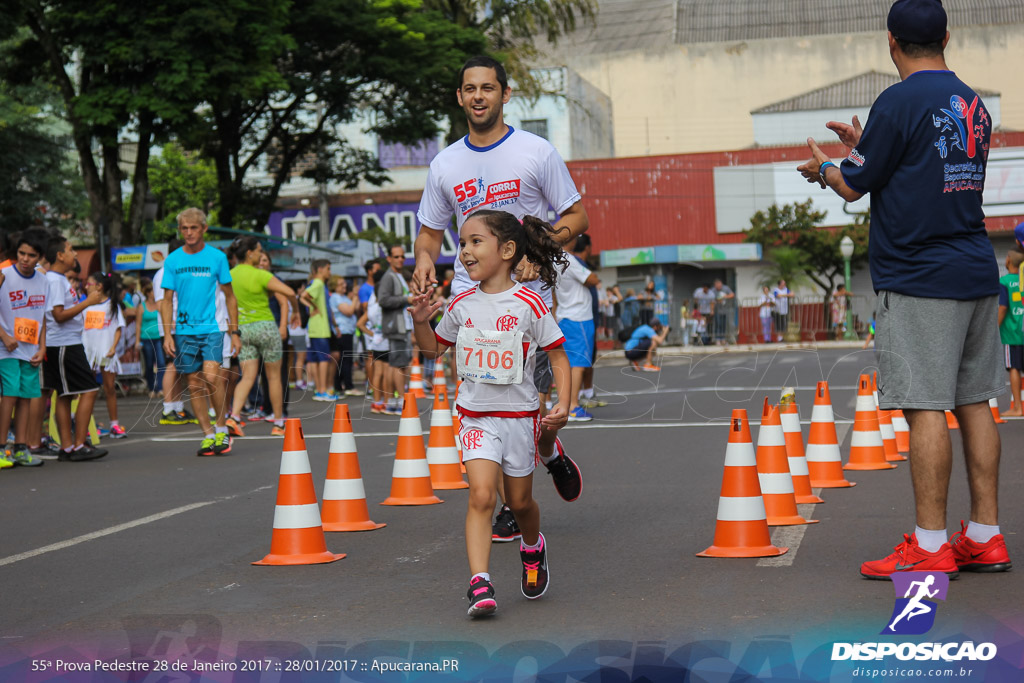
[(922, 158)]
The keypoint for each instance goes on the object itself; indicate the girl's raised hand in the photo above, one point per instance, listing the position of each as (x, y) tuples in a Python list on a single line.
[(422, 310)]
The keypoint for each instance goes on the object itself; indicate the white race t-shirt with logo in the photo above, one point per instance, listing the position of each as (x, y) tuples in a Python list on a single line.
[(59, 292), (22, 311), (574, 302), (515, 309), (522, 173)]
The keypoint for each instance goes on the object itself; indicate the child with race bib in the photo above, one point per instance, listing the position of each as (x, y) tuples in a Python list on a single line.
[(496, 328), (104, 325)]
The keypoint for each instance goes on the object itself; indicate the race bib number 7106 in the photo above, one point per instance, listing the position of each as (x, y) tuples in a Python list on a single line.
[(490, 357)]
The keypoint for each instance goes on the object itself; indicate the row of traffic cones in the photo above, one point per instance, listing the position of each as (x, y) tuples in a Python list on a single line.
[(416, 387), (298, 532), (763, 490)]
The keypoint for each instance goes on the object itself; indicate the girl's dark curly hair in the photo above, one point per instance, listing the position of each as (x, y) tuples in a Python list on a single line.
[(534, 239)]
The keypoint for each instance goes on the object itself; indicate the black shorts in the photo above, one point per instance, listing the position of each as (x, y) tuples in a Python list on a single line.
[(335, 343), (542, 374), (639, 351), (1013, 355), (66, 370)]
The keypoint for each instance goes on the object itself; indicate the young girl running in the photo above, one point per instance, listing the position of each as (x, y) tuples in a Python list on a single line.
[(104, 325), (496, 328)]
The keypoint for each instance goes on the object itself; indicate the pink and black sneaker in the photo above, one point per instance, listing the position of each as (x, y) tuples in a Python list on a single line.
[(535, 570), (481, 597)]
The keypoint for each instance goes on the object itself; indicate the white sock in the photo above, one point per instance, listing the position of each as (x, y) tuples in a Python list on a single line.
[(279, 423), (930, 540), (221, 430), (587, 393), (114, 423), (536, 546), (168, 407), (546, 459), (178, 406), (981, 533), (483, 575)]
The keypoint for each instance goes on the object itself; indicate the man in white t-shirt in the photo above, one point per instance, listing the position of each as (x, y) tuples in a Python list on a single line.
[(575, 316), (782, 296), (498, 167)]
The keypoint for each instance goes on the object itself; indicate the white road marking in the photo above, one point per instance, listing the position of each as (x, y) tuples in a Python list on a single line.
[(790, 537), (121, 527)]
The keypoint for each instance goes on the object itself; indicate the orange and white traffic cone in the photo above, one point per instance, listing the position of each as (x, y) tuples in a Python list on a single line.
[(416, 377), (439, 378), (902, 429), (790, 417), (410, 479), (866, 449), (888, 432), (773, 471), (994, 405), (742, 526), (345, 506), (442, 456), (951, 422), (824, 462), (298, 536)]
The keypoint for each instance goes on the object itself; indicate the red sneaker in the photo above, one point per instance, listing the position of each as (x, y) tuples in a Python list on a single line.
[(972, 556), (910, 557)]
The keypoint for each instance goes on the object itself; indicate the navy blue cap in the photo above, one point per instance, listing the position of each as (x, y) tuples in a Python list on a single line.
[(1018, 232), (917, 21)]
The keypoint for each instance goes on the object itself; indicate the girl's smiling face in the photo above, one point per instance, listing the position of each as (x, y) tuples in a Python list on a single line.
[(479, 250)]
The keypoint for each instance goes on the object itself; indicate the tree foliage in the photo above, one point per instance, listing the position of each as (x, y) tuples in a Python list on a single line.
[(178, 180), (795, 226)]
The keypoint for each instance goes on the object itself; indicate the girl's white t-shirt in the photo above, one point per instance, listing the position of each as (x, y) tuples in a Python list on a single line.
[(100, 328)]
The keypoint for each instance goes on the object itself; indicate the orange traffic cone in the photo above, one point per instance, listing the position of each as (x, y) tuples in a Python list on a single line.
[(902, 429), (773, 471), (994, 405), (824, 461), (442, 456), (951, 422), (888, 432), (790, 417), (410, 479), (439, 378), (742, 526), (344, 497), (298, 536), (416, 377), (866, 449)]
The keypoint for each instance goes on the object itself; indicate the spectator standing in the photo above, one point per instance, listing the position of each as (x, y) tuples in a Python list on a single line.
[(66, 369), (840, 300), (765, 308), (344, 306), (782, 296), (319, 328), (704, 301), (938, 284), (1011, 332), (149, 341), (104, 325), (630, 309), (723, 308), (393, 297), (575, 316)]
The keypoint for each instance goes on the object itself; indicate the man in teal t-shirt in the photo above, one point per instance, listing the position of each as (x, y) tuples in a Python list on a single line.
[(319, 352), (1011, 326)]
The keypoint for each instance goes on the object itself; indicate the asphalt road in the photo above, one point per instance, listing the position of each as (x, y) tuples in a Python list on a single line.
[(149, 550)]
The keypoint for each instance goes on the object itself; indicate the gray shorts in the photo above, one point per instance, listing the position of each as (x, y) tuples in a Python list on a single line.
[(399, 352), (936, 354), (542, 372)]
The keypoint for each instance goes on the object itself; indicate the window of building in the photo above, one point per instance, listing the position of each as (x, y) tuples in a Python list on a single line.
[(536, 126), (394, 154)]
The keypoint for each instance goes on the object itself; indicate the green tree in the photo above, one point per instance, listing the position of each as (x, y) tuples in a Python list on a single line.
[(41, 184), (511, 26), (382, 61), (784, 263), (180, 179), (795, 226), (134, 71)]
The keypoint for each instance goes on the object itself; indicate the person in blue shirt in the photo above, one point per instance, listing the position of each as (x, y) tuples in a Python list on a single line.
[(192, 274), (642, 344), (922, 158)]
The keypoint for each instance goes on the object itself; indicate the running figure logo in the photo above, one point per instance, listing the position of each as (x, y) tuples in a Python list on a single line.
[(913, 613)]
